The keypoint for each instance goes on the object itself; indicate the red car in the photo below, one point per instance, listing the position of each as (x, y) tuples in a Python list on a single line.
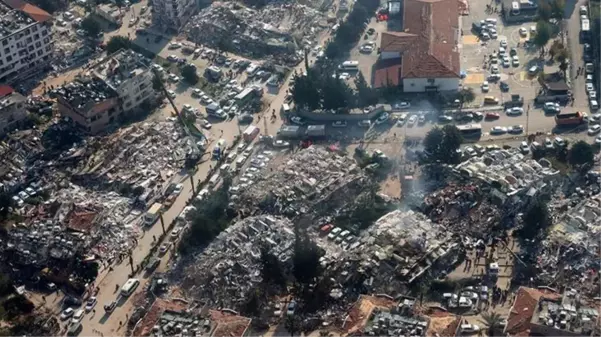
[(492, 115)]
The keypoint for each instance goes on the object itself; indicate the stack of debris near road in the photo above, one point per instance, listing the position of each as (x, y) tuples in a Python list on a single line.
[(270, 31), (311, 180), (230, 266)]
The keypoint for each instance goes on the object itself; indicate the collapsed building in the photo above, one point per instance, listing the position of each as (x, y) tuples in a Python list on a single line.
[(312, 180), (274, 30)]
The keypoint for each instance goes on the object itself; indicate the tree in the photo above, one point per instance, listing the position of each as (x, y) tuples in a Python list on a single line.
[(542, 36), (581, 155), (366, 95), (535, 222), (466, 95), (157, 83), (335, 93), (189, 74), (116, 43), (492, 322), (544, 11), (442, 144), (557, 9), (305, 91), (555, 48), (91, 26), (292, 324)]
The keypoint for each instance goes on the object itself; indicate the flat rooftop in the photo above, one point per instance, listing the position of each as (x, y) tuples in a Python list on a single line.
[(90, 90), (15, 15), (11, 99), (563, 315), (120, 66)]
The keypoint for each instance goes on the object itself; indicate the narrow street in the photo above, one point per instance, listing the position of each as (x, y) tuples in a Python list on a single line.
[(572, 26)]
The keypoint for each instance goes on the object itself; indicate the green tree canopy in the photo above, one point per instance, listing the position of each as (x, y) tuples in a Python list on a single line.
[(366, 95), (543, 35), (466, 95), (116, 43), (91, 26), (442, 143), (189, 74), (581, 155), (535, 222), (492, 322), (271, 268), (305, 260)]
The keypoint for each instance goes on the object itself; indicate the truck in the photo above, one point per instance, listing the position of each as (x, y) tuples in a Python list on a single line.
[(219, 149), (152, 214), (289, 131), (250, 133), (316, 131)]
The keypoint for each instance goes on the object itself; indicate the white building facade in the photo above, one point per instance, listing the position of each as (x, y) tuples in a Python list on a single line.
[(26, 43), (172, 15)]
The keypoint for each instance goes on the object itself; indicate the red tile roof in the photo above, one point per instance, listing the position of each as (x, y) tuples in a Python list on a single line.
[(524, 306), (428, 45), (387, 72), (34, 12), (5, 90), (228, 324)]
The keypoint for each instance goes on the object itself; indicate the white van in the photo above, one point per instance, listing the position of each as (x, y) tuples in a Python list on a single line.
[(594, 104), (214, 180), (285, 109)]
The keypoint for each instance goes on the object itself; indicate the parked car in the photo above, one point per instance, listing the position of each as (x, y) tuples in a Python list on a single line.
[(66, 314), (91, 303), (516, 129), (594, 129), (382, 118), (498, 130)]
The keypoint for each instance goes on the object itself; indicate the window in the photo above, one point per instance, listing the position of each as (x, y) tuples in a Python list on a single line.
[(431, 80), (44, 32), (40, 52), (34, 28), (4, 42), (9, 58), (7, 50), (48, 48), (30, 48), (29, 40), (127, 105), (38, 44), (36, 37)]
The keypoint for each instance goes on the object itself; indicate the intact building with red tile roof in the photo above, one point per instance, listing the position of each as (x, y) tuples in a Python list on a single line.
[(425, 55)]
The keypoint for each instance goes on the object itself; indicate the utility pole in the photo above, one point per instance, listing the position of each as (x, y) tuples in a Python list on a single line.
[(162, 222), (192, 182), (527, 119), (131, 263)]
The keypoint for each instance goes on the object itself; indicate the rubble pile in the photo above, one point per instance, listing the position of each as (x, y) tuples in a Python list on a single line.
[(229, 266), (138, 156), (269, 31), (312, 179)]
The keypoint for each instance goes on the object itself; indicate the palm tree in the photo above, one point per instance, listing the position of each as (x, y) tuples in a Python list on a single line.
[(492, 321), (292, 324)]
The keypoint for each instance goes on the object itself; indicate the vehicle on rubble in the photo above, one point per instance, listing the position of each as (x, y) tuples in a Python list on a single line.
[(469, 328), (91, 303), (280, 143), (17, 201)]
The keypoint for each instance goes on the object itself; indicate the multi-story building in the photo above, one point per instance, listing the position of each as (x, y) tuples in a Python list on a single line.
[(25, 40), (12, 110), (117, 86), (172, 15)]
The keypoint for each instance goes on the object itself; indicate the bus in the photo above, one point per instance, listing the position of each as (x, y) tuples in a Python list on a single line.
[(129, 286), (470, 130), (349, 65), (569, 118)]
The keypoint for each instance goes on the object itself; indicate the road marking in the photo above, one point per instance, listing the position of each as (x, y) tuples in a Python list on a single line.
[(522, 76), (470, 39), (474, 78)]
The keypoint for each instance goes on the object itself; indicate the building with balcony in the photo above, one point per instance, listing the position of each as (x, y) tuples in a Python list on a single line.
[(12, 110), (26, 43), (172, 15), (120, 84)]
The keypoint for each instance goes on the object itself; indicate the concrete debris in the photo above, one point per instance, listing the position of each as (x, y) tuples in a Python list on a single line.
[(312, 179), (271, 31), (229, 266)]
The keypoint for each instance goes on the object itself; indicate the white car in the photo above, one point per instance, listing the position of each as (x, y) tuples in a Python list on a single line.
[(498, 130), (524, 147), (515, 111), (280, 143), (594, 129), (412, 120), (175, 45), (515, 61), (548, 144), (551, 107), (173, 78), (493, 33), (494, 69), (339, 124), (589, 87), (91, 303), (506, 62), (516, 129), (197, 93), (364, 123), (485, 86), (171, 94), (172, 58), (297, 120), (205, 124), (592, 94), (503, 43), (67, 313), (523, 32), (344, 76), (178, 189), (469, 328), (382, 118), (78, 316), (598, 140)]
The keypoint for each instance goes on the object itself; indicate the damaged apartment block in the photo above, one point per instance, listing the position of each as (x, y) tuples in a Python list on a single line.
[(119, 85)]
